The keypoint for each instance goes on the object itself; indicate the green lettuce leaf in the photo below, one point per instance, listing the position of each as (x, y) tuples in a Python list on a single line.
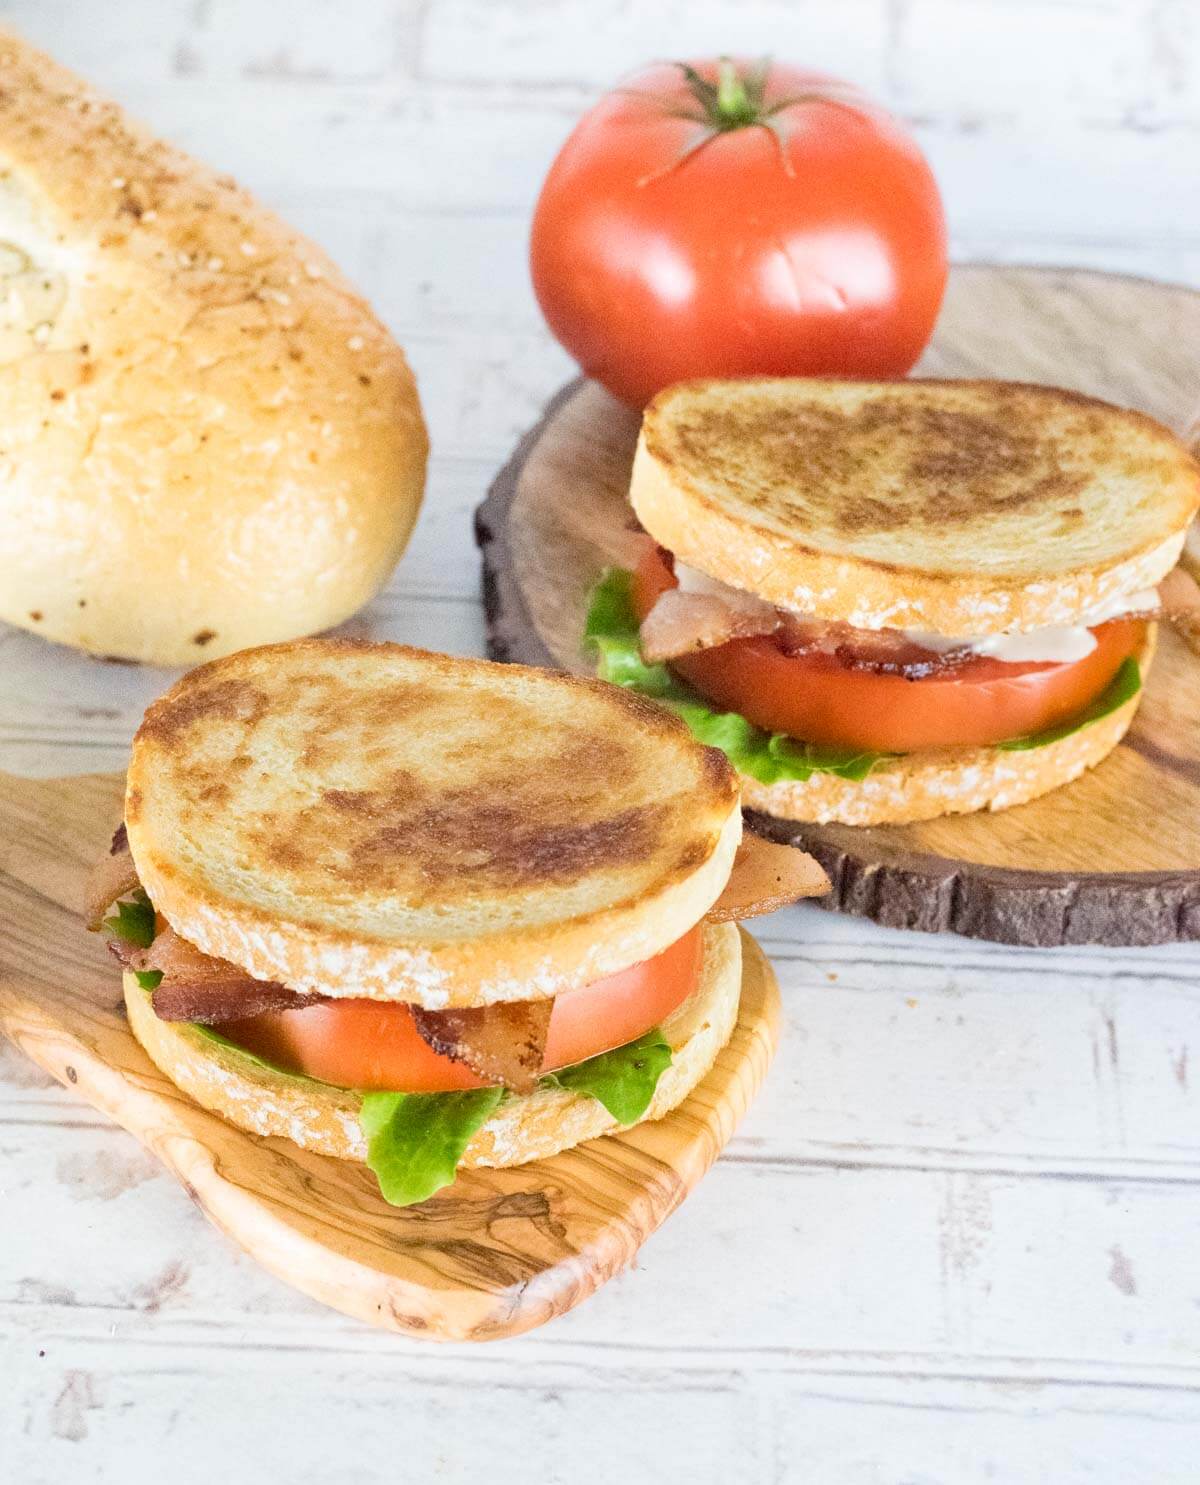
[(611, 633), (134, 921), (415, 1140), (623, 1080), (1123, 687), (148, 979)]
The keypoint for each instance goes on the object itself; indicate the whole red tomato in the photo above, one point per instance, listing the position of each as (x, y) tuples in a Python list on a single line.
[(721, 219)]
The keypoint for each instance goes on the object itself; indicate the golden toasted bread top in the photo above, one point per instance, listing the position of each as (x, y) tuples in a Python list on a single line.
[(840, 497), (375, 819)]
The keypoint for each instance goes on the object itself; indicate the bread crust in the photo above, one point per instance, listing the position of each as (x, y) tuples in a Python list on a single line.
[(946, 781), (380, 821), (1107, 484), (210, 440), (530, 1127)]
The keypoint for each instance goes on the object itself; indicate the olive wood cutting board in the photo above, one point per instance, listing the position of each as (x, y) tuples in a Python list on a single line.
[(497, 1253), (1112, 858)]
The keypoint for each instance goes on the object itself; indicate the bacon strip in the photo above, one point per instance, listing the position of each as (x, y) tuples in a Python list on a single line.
[(114, 876), (881, 651), (499, 1043), (220, 1000), (197, 987), (766, 876), (681, 623), (123, 952)]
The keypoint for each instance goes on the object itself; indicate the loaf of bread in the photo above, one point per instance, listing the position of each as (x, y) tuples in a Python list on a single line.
[(207, 439)]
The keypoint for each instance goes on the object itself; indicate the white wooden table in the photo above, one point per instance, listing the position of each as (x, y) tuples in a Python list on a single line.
[(957, 1239)]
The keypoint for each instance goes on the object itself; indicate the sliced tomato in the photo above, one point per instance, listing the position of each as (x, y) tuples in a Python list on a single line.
[(371, 1044), (818, 698)]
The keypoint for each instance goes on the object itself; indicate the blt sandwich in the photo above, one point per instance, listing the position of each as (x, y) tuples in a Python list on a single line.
[(894, 601), (429, 913)]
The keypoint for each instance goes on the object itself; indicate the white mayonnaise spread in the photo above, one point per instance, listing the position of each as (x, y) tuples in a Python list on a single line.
[(692, 580), (1058, 644)]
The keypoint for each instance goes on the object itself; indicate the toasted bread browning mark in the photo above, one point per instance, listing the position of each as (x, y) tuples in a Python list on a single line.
[(279, 846), (385, 706), (391, 843), (717, 771), (374, 803), (223, 700), (514, 827), (690, 857), (951, 465), (400, 837)]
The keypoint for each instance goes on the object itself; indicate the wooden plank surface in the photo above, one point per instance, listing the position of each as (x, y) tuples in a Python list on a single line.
[(976, 1168)]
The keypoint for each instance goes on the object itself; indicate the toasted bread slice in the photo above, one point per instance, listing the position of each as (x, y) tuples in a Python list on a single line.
[(380, 821), (964, 508), (947, 781), (527, 1127)]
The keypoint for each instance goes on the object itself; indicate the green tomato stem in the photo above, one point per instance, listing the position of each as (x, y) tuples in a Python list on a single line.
[(734, 109)]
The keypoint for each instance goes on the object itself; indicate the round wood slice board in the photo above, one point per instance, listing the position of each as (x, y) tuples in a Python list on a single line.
[(1113, 858), (497, 1253)]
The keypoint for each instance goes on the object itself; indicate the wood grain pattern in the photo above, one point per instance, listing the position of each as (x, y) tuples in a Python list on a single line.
[(1113, 858), (494, 1255)]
